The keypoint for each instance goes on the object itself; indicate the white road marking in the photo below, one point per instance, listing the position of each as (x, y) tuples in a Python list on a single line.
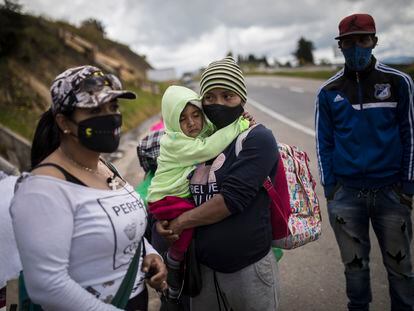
[(296, 89), (282, 118), (259, 83)]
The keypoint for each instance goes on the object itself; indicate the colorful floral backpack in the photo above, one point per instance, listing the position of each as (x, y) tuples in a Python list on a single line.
[(295, 212), (305, 220)]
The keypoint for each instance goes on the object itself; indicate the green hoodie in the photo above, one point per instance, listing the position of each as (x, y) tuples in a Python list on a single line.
[(179, 154)]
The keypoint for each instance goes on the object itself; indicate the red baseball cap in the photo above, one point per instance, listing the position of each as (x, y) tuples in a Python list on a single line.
[(356, 24)]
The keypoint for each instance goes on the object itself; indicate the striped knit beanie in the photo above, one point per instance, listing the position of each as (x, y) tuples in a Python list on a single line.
[(224, 74)]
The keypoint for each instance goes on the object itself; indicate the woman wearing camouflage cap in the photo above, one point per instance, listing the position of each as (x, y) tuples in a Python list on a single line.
[(77, 223)]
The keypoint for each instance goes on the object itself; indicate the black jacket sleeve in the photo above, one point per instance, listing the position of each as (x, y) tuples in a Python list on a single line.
[(251, 167)]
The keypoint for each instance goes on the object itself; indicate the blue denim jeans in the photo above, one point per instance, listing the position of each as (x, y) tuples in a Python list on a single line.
[(350, 212)]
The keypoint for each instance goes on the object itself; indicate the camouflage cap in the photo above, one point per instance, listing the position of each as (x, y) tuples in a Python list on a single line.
[(85, 87)]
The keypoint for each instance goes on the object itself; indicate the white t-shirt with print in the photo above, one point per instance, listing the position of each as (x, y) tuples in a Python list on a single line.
[(75, 241), (10, 265)]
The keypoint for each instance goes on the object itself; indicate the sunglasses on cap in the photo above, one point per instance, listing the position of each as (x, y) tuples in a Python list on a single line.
[(96, 82), (92, 84)]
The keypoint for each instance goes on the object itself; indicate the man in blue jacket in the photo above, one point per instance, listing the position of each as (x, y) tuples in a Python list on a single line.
[(364, 121)]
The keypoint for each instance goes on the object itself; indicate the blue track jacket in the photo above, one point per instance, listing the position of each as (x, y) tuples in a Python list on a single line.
[(365, 129)]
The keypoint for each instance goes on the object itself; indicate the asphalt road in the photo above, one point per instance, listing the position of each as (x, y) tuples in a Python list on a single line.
[(311, 276)]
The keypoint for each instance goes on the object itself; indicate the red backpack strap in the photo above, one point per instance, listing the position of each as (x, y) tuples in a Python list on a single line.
[(274, 196), (279, 194)]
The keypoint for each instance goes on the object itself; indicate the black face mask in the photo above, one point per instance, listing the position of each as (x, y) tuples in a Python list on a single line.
[(100, 134), (222, 115)]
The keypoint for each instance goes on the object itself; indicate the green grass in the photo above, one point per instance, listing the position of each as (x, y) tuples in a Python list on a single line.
[(23, 120), (19, 120), (19, 107), (408, 69), (323, 74), (134, 112), (320, 75)]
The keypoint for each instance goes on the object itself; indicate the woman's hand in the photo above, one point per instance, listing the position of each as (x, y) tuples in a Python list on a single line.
[(165, 231), (249, 117), (157, 271), (175, 226)]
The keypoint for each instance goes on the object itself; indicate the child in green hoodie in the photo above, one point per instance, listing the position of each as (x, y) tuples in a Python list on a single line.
[(188, 140)]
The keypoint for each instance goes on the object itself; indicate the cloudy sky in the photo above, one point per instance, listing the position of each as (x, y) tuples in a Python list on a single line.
[(188, 34)]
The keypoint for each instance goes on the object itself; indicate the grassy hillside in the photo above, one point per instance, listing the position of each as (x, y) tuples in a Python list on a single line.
[(32, 54)]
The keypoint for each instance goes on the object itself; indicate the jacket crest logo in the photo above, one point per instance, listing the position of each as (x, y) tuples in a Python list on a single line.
[(382, 91)]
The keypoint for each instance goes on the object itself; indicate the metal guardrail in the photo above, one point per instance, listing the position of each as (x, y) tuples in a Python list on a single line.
[(15, 150), (7, 167)]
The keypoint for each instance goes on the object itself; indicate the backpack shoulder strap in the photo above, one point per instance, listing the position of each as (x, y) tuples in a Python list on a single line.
[(241, 138), (121, 297), (267, 184), (112, 168)]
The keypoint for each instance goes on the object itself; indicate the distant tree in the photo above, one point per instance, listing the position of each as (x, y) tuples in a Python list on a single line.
[(12, 5), (277, 63), (325, 62), (264, 61), (251, 58), (303, 52), (95, 25), (11, 28)]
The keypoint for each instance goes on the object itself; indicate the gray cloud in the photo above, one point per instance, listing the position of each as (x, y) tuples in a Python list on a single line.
[(188, 34)]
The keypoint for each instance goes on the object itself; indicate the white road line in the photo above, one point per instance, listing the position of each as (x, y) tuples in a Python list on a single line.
[(259, 83), (282, 118), (296, 89)]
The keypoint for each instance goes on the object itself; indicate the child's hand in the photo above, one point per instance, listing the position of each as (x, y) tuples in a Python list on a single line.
[(249, 117), (163, 230)]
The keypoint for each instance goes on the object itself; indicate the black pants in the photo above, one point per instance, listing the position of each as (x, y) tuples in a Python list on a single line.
[(139, 302)]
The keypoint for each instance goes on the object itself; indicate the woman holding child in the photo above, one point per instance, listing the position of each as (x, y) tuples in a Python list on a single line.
[(232, 218)]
